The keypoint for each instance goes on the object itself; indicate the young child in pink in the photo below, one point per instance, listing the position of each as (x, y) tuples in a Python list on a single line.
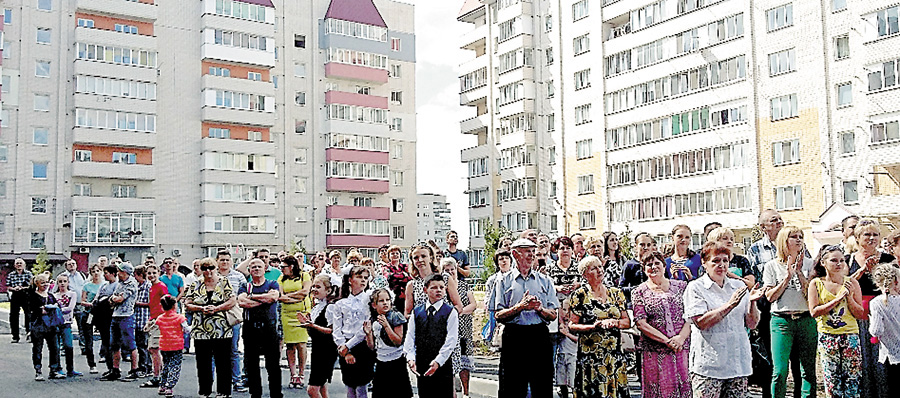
[(172, 328)]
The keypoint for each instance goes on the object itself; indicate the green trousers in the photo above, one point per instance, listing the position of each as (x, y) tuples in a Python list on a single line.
[(786, 333)]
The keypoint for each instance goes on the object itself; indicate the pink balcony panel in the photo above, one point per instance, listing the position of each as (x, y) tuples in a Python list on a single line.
[(355, 72), (353, 185), (353, 155), (356, 240), (358, 213), (342, 97)]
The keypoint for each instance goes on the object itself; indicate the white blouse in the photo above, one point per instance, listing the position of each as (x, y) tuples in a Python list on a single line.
[(348, 319), (723, 350), (884, 323)]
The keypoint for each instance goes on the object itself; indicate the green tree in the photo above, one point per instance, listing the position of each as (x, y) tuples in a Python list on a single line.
[(626, 242), (492, 237), (42, 262)]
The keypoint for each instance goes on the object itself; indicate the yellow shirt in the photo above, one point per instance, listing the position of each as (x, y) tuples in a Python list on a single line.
[(839, 320)]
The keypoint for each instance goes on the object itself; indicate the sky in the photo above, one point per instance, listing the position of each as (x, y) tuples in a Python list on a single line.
[(437, 106)]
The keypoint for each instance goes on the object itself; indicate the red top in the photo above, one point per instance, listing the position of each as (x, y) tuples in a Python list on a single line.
[(157, 292), (170, 331)]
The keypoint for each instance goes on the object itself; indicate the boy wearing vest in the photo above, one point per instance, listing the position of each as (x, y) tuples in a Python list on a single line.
[(433, 334)]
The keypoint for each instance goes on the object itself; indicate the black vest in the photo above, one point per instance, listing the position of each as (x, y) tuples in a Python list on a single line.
[(430, 335)]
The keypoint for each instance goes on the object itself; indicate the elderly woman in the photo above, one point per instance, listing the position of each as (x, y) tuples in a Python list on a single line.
[(868, 236), (597, 314), (835, 300), (209, 299), (294, 284), (739, 266), (785, 281), (884, 322), (719, 309), (333, 268), (659, 313)]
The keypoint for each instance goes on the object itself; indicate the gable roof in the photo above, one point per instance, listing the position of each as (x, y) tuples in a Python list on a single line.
[(362, 11), (469, 6)]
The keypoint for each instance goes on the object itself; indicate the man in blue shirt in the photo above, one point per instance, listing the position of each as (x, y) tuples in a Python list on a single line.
[(173, 281), (525, 302), (462, 259), (258, 298)]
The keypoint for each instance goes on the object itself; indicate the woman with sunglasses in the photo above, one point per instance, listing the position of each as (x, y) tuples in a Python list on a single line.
[(295, 284)]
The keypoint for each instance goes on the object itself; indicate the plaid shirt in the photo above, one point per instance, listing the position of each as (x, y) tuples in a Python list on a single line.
[(142, 314), (761, 252), (15, 279)]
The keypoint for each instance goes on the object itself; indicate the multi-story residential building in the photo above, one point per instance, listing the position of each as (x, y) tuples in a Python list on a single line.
[(148, 127), (433, 213)]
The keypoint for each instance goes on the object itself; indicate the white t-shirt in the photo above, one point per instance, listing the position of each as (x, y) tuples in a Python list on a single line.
[(792, 300)]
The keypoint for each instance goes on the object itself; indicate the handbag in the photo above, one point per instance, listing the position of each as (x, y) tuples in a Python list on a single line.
[(51, 321), (234, 315)]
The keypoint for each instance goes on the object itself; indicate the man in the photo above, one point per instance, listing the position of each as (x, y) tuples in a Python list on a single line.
[(633, 274), (174, 282), (462, 259), (543, 242), (258, 298), (708, 228), (763, 250), (157, 291), (236, 280), (193, 277), (17, 284), (530, 234), (141, 317), (848, 224), (103, 261), (578, 241), (262, 254), (525, 301), (122, 325), (151, 259)]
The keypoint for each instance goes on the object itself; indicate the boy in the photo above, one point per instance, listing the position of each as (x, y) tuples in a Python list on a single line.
[(432, 336), (141, 316), (565, 356)]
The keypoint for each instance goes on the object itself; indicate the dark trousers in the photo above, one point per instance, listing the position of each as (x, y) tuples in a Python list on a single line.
[(262, 341), (86, 330), (103, 325), (526, 360), (37, 350), (220, 351), (18, 302), (79, 319), (892, 373), (438, 385)]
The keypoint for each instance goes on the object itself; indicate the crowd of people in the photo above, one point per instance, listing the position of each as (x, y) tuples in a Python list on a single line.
[(570, 312)]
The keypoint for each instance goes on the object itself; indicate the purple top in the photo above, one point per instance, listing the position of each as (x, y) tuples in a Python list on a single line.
[(264, 3), (663, 311), (362, 11)]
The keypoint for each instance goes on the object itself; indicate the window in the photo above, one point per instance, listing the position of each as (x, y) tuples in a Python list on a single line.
[(786, 152), (43, 35), (551, 155), (299, 70), (887, 20), (788, 198), (581, 44), (242, 10), (842, 47), (478, 167), (583, 114), (397, 97), (782, 62), (39, 170), (582, 79), (82, 155), (300, 184), (585, 184), (396, 124), (45, 5), (86, 23), (126, 28), (301, 155), (580, 10), (848, 143), (2, 189), (478, 197), (300, 41), (42, 68), (219, 133), (363, 201), (255, 76), (7, 16), (397, 178), (885, 132), (115, 120), (300, 126), (398, 232), (40, 136), (82, 189), (124, 157), (397, 151), (784, 107), (554, 223), (583, 149), (4, 117), (300, 98), (851, 194), (37, 240), (586, 220), (6, 83), (395, 70), (551, 122), (395, 44), (217, 71), (42, 102), (116, 55), (397, 205), (838, 5), (7, 50), (301, 213), (255, 136), (845, 94), (548, 23), (552, 190), (780, 17), (38, 205), (883, 75), (548, 54), (124, 191), (551, 89)]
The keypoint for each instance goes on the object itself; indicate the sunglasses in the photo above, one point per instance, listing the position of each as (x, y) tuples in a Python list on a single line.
[(207, 267)]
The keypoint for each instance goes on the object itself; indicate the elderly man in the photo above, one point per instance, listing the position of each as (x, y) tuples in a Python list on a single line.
[(76, 284), (763, 250), (17, 283), (525, 301)]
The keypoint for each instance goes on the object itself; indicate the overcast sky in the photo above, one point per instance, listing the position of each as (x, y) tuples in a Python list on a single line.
[(437, 104)]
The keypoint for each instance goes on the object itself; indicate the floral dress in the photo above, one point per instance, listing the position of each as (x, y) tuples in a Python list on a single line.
[(601, 364), (665, 372)]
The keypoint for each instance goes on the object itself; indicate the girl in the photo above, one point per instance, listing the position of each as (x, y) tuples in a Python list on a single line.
[(88, 292), (385, 336), (294, 283), (172, 328), (318, 324), (466, 363), (357, 360), (884, 323), (66, 299)]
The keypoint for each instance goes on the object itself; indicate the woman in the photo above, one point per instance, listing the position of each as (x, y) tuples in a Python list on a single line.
[(397, 276), (835, 301), (421, 267), (720, 310), (786, 279), (683, 264), (614, 257), (505, 244), (868, 236), (490, 332), (659, 313), (739, 267), (294, 284), (88, 292), (39, 299), (466, 363), (208, 299), (564, 273), (67, 300), (333, 269), (597, 314)]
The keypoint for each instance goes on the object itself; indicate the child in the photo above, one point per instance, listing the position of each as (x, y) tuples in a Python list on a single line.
[(357, 360), (431, 339), (324, 351), (172, 327), (385, 336), (67, 300), (565, 357), (884, 323)]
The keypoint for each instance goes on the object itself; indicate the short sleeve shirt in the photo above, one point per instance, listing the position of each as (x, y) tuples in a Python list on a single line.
[(793, 299), (723, 350), (215, 325), (265, 313), (157, 292), (129, 290), (512, 287), (173, 283)]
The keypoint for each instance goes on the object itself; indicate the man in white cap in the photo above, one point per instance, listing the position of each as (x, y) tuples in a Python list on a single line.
[(525, 302)]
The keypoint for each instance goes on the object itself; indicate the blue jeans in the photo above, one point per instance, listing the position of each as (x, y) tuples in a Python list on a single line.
[(79, 318), (37, 350), (236, 355), (65, 340)]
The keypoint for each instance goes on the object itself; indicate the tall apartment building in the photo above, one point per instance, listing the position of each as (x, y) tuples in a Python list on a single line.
[(433, 213), (158, 126), (663, 112)]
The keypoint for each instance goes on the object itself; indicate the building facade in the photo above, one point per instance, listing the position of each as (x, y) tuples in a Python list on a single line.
[(158, 127), (433, 213)]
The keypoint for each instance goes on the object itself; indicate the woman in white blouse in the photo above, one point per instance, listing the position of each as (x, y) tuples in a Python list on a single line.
[(719, 308)]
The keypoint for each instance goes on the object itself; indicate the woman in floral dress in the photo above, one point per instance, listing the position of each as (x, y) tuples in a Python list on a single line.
[(598, 313)]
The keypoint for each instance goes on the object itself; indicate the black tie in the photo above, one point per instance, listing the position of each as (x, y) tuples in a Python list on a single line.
[(430, 312)]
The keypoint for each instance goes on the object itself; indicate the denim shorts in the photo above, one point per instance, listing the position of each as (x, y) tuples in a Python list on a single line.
[(122, 333)]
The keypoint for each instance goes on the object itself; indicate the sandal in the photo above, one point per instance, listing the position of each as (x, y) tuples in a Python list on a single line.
[(296, 382)]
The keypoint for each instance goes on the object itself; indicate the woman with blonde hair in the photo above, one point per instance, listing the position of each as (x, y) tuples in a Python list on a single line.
[(40, 301), (683, 264)]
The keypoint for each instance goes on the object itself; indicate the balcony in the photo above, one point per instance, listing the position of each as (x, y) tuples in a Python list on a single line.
[(113, 38), (358, 213), (356, 73), (361, 128), (347, 98), (517, 107), (106, 203), (356, 240), (256, 208), (476, 124), (475, 39), (237, 177), (474, 65), (117, 138), (240, 55), (126, 72), (215, 21), (338, 184), (120, 171), (143, 10), (238, 85), (120, 104), (356, 156), (474, 96), (475, 152), (211, 113), (237, 146)]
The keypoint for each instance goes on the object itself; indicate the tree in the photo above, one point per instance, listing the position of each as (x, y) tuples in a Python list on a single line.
[(492, 237), (42, 262), (626, 243)]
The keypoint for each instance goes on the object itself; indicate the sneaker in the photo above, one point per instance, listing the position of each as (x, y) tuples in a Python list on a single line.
[(102, 359), (240, 388), (74, 374), (56, 376), (93, 370), (162, 391), (112, 375), (132, 376), (152, 383), (169, 393), (38, 377)]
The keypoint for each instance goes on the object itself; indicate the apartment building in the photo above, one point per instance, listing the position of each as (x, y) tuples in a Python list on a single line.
[(662, 112), (433, 212), (174, 129)]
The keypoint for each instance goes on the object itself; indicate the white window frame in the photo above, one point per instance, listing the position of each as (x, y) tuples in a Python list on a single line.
[(844, 184), (791, 156), (844, 95), (586, 184), (587, 220), (796, 194)]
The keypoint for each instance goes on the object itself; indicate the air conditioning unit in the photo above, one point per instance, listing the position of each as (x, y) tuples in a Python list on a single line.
[(84, 250), (176, 253)]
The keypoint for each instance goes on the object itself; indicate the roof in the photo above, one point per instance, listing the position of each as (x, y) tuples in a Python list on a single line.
[(469, 6), (362, 11), (264, 3)]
